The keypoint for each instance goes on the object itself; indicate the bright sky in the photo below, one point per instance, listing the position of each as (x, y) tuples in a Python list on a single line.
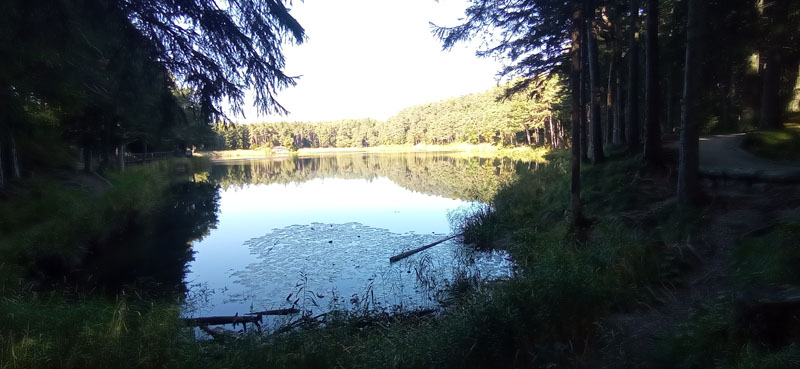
[(372, 58)]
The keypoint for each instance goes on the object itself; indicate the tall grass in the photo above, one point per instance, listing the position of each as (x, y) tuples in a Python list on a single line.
[(716, 337), (51, 331)]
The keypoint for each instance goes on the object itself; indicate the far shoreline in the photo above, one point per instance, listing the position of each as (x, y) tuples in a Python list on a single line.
[(523, 153)]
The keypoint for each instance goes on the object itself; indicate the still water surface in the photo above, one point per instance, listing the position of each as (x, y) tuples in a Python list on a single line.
[(316, 233)]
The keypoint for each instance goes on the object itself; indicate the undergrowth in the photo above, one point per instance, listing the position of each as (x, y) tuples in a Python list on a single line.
[(733, 331)]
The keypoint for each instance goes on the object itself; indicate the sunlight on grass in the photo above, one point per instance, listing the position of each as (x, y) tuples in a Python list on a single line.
[(775, 144)]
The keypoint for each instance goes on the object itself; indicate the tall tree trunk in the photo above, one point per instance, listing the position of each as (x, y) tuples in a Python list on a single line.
[(15, 171), (577, 114), (610, 103), (546, 134), (725, 108), (584, 55), (87, 159), (769, 116), (121, 157), (776, 13), (595, 127), (652, 143), (632, 113), (528, 135), (670, 124), (2, 169), (688, 166), (553, 133), (619, 109)]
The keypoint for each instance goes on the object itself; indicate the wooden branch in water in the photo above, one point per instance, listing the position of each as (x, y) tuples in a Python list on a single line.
[(275, 312), (408, 253), (215, 320)]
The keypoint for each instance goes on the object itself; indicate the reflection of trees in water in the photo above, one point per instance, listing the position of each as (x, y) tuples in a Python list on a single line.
[(437, 174), (152, 251)]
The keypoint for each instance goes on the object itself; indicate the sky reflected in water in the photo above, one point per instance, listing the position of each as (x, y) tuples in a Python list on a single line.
[(270, 242)]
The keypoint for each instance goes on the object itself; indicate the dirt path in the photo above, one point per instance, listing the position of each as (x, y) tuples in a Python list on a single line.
[(723, 154)]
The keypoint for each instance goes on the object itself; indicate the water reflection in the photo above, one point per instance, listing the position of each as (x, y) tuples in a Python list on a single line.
[(430, 173), (152, 251), (328, 225)]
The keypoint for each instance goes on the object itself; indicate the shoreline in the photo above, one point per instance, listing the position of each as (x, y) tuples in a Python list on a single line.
[(524, 153)]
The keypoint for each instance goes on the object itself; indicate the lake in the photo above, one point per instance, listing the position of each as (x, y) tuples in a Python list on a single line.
[(316, 233)]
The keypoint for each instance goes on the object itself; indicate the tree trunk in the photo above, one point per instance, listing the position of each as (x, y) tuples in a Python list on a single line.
[(577, 114), (528, 135), (688, 166), (15, 171), (87, 159), (121, 157), (610, 103), (652, 143), (584, 56), (725, 109), (670, 124), (769, 116), (553, 133), (632, 114), (595, 127), (775, 44), (2, 169), (619, 119)]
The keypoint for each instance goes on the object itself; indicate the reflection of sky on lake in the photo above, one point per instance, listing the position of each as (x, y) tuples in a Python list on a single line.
[(232, 272), (377, 203)]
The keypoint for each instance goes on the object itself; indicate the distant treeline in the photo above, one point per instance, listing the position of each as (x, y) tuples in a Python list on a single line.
[(532, 117)]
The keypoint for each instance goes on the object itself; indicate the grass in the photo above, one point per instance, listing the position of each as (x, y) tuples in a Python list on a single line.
[(44, 331), (776, 144), (714, 337)]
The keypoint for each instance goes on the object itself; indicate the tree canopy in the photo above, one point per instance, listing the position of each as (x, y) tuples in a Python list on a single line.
[(106, 74)]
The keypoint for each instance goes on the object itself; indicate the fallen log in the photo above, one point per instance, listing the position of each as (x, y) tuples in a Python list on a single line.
[(275, 312), (216, 320), (408, 253)]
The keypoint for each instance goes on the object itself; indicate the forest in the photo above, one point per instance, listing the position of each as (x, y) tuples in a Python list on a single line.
[(531, 117), (660, 233)]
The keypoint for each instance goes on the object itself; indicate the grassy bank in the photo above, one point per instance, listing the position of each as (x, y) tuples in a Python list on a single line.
[(466, 150)]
